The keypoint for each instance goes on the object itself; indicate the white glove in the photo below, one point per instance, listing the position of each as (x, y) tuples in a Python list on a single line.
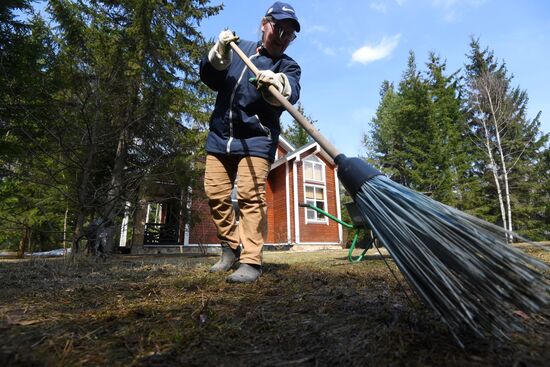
[(279, 80), (220, 54)]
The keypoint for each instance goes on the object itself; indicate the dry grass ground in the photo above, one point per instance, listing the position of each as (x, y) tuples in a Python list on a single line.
[(308, 309)]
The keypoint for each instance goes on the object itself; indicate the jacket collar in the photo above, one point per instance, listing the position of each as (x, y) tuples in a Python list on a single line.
[(263, 51)]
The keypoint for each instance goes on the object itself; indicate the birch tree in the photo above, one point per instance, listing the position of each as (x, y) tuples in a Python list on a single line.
[(498, 120), (492, 115)]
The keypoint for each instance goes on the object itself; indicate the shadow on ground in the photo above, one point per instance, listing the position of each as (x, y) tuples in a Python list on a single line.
[(308, 309)]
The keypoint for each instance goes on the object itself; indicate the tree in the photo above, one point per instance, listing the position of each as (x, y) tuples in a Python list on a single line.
[(132, 80), (498, 119), (466, 140), (29, 201), (451, 146), (90, 108), (416, 135), (385, 141), (539, 228), (295, 133)]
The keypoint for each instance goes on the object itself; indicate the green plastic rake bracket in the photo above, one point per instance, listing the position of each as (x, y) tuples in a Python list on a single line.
[(351, 258)]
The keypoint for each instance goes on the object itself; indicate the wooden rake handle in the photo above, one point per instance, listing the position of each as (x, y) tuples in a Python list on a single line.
[(308, 126)]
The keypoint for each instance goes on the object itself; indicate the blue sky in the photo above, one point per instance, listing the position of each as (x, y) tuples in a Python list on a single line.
[(348, 48)]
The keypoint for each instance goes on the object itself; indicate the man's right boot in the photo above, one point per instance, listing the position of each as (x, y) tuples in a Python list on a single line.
[(228, 259)]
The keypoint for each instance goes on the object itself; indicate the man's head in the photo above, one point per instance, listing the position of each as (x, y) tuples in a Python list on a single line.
[(280, 11), (279, 27)]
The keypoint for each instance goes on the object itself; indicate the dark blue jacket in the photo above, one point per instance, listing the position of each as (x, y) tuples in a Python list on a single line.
[(242, 122)]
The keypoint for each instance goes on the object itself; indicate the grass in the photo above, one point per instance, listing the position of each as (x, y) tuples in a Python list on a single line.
[(308, 309)]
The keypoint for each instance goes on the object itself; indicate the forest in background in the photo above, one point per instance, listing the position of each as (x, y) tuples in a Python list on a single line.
[(96, 103), (465, 139), (102, 99)]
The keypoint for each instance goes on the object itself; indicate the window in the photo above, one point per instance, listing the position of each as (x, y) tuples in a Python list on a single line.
[(314, 188), (315, 195), (313, 169)]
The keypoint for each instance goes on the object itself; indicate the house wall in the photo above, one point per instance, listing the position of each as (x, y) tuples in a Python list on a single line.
[(276, 206), (319, 232), (203, 231), (291, 193)]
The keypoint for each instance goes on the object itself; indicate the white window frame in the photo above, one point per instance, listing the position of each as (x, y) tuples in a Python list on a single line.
[(319, 218), (316, 184), (314, 161)]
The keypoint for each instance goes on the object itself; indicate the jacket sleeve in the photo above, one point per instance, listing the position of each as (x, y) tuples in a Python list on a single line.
[(293, 72), (213, 78)]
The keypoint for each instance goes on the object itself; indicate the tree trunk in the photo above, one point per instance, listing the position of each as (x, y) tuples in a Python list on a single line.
[(140, 218), (116, 187), (23, 243), (65, 230), (494, 170), (78, 230), (506, 186), (497, 126), (83, 187)]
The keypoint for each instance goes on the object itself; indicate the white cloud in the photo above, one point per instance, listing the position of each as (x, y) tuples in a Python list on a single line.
[(445, 4), (317, 29), (329, 51), (321, 31), (452, 8), (450, 16), (369, 53), (378, 6), (382, 5)]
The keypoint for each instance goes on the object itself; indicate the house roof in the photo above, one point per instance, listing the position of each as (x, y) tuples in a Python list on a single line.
[(285, 144), (296, 152)]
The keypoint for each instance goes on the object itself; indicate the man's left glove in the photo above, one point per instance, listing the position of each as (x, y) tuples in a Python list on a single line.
[(278, 80), (220, 54)]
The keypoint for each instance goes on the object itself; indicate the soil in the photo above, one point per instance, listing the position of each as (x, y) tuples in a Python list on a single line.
[(308, 309)]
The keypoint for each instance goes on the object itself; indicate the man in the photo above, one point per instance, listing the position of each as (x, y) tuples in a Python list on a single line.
[(244, 133)]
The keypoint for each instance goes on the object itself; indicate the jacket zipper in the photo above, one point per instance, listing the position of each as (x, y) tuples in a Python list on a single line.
[(228, 148), (264, 128)]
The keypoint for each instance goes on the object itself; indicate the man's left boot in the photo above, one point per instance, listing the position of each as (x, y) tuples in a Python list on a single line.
[(246, 273), (228, 258)]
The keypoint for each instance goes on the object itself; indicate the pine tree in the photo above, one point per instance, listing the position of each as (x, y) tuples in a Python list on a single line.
[(451, 149), (417, 130), (30, 208), (116, 98), (385, 141), (295, 133), (133, 86)]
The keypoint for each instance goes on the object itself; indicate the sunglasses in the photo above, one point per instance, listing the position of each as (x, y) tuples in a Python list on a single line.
[(282, 32)]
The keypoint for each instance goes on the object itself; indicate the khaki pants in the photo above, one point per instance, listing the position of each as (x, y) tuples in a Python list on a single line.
[(251, 174)]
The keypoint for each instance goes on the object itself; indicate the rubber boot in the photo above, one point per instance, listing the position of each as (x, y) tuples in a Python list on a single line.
[(228, 259), (246, 273)]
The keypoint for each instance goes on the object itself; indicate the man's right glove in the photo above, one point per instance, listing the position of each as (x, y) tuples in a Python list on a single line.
[(220, 54), (278, 80)]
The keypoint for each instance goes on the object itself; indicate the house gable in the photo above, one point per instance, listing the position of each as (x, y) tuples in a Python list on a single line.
[(300, 229)]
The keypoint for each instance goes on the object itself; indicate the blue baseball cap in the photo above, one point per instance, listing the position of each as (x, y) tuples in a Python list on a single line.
[(280, 11)]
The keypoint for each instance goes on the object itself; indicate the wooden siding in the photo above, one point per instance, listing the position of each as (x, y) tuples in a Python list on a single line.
[(318, 232), (203, 230), (276, 203)]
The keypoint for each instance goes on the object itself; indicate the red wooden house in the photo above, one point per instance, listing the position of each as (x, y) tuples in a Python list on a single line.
[(298, 175)]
